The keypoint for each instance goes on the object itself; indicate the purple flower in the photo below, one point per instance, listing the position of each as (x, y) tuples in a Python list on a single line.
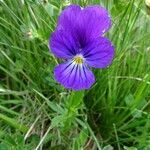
[(78, 39)]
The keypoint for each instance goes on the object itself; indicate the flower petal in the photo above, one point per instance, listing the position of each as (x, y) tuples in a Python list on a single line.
[(63, 44), (70, 21), (69, 17), (96, 19), (89, 22), (74, 76), (99, 53)]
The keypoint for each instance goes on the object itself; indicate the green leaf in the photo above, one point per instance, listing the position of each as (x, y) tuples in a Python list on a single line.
[(129, 100), (81, 139), (13, 123), (49, 9), (75, 99), (3, 146), (130, 148), (57, 121), (10, 140), (108, 147), (2, 108)]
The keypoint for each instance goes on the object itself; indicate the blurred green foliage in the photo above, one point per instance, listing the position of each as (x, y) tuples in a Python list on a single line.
[(37, 113)]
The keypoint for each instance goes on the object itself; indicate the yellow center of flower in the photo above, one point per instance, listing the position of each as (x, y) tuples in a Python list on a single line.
[(78, 59)]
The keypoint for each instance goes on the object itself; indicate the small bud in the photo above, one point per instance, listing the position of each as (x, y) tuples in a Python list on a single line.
[(28, 34), (45, 1), (66, 3), (147, 2), (29, 31)]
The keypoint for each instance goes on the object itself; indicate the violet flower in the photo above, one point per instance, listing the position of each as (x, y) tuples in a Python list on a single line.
[(78, 39)]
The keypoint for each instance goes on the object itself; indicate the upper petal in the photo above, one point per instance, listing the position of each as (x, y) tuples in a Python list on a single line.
[(69, 17), (89, 22), (63, 44), (74, 76), (96, 19), (99, 53)]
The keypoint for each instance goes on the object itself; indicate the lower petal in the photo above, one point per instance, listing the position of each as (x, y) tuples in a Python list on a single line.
[(74, 76)]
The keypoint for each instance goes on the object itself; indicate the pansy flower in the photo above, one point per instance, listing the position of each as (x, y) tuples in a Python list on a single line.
[(79, 41)]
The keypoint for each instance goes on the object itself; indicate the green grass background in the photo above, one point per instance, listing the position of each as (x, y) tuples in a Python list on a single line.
[(36, 113)]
